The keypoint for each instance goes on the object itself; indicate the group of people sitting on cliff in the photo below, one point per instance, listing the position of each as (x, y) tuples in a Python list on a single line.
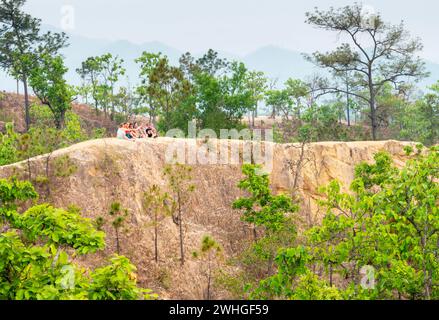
[(133, 131)]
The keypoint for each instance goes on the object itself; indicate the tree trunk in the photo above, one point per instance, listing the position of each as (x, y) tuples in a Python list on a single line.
[(60, 120), (180, 223), (117, 241), (96, 106), (254, 115), (270, 264), (209, 280), (112, 103), (105, 110), (156, 249), (372, 105), (373, 119), (26, 104)]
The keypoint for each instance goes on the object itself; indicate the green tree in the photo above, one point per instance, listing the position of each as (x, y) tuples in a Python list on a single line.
[(158, 206), (223, 100), (119, 216), (165, 89), (112, 69), (210, 253), (294, 280), (148, 62), (394, 215), (388, 222), (378, 53), (262, 208), (241, 91), (42, 138), (211, 63), (321, 123), (274, 215), (222, 92), (298, 91), (21, 44), (279, 101), (117, 281), (89, 72), (100, 75), (420, 120), (257, 84), (179, 177), (48, 83), (127, 103)]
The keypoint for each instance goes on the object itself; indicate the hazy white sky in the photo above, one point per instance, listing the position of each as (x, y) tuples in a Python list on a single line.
[(235, 26)]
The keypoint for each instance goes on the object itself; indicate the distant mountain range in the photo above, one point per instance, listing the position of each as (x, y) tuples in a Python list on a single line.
[(277, 63)]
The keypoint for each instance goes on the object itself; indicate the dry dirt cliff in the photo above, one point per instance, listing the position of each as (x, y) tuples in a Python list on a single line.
[(12, 110), (111, 170)]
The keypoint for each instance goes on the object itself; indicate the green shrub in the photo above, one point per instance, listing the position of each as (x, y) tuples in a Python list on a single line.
[(64, 166), (34, 263), (8, 146)]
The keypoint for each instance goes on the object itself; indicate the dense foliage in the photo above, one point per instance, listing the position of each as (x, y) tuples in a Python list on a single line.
[(34, 259), (262, 208), (49, 85), (272, 221), (42, 137), (378, 242)]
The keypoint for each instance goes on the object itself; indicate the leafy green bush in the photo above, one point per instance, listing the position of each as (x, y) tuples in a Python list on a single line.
[(117, 281), (72, 131), (34, 263), (60, 227), (41, 138), (262, 208), (41, 116), (388, 224), (272, 220), (8, 146)]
